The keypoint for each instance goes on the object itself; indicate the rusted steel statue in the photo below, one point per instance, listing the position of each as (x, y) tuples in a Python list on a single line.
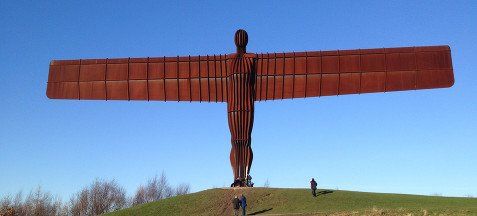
[(241, 78)]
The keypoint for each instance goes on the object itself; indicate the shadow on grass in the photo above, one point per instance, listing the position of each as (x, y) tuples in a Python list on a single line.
[(324, 192), (260, 212)]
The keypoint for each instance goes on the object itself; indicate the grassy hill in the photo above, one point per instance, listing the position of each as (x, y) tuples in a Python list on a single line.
[(276, 201)]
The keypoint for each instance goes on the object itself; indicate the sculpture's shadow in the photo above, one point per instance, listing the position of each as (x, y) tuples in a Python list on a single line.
[(323, 192), (260, 212)]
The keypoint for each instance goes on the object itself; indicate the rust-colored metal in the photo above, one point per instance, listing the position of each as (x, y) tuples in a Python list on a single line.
[(242, 78)]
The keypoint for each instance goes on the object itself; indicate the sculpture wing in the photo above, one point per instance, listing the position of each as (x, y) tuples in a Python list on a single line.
[(324, 73), (191, 78)]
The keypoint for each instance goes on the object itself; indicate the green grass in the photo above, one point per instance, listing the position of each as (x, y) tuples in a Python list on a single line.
[(277, 201)]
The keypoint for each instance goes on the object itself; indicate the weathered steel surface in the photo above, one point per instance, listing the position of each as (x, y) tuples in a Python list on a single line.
[(325, 73), (242, 78), (194, 78), (240, 107)]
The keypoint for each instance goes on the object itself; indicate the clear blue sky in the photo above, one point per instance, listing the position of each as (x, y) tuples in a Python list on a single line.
[(419, 142)]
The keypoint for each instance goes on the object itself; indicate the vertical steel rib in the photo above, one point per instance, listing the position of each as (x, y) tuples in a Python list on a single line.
[(416, 67), (208, 78), (129, 96), (306, 72), (385, 71), (79, 75), (339, 73), (294, 72), (177, 76), (360, 71), (164, 76), (283, 75), (147, 78), (105, 80), (200, 85), (215, 79), (190, 81)]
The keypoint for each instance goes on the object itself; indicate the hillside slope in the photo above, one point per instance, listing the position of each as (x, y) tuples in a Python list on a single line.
[(276, 201)]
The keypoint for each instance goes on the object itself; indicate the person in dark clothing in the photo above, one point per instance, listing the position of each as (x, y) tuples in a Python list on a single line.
[(249, 182), (243, 203), (236, 205), (313, 185), (237, 183)]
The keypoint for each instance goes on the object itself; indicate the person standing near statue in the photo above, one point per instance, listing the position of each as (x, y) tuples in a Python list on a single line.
[(313, 185), (243, 203), (236, 205), (249, 182)]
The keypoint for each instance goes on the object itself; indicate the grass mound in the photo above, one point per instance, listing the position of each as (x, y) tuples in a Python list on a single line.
[(278, 201)]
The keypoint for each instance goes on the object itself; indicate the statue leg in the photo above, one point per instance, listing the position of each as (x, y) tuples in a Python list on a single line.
[(233, 161), (249, 158), (241, 157)]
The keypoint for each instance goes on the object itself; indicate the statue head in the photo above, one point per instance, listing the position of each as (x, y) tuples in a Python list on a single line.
[(241, 41)]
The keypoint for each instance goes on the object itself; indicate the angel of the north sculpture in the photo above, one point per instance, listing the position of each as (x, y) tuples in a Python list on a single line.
[(240, 79)]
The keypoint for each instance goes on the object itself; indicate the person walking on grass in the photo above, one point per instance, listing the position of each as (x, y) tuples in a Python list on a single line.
[(313, 185), (236, 205), (243, 203)]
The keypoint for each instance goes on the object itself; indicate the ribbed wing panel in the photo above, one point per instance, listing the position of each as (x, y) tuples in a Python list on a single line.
[(324, 73), (194, 78)]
